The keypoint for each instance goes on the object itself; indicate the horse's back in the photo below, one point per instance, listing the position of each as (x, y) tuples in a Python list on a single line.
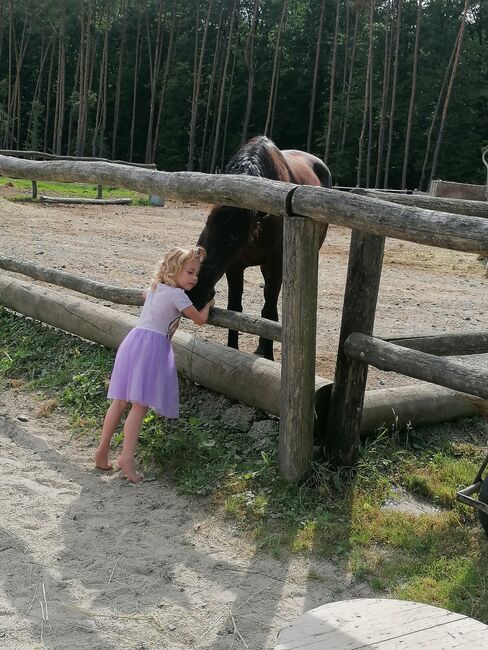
[(307, 169)]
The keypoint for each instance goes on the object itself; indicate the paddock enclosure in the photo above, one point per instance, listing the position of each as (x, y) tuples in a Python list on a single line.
[(424, 289)]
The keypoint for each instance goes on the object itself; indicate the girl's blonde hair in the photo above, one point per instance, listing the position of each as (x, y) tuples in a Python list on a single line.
[(175, 259)]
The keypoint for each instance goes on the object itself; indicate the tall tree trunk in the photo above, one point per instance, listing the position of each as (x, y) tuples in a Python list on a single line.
[(370, 117), (48, 99), (393, 94), (101, 112), (249, 60), (14, 109), (213, 77), (164, 85), (436, 111), (367, 86), (349, 85), (197, 80), (85, 79), (313, 97), (134, 89), (6, 137), (344, 72), (226, 123), (118, 86), (2, 11), (60, 87), (412, 96), (384, 94), (154, 69), (449, 91), (332, 83), (72, 107), (222, 89), (33, 123), (274, 77)]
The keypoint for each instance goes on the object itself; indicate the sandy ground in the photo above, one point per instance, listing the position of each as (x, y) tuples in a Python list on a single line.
[(89, 561)]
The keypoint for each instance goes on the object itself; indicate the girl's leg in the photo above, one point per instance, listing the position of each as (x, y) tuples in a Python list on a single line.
[(132, 428), (112, 419)]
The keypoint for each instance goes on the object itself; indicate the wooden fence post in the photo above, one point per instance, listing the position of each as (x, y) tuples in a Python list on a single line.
[(361, 294), (299, 326), (34, 189)]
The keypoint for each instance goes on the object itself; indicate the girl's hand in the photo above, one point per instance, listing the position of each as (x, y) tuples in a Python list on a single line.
[(211, 304)]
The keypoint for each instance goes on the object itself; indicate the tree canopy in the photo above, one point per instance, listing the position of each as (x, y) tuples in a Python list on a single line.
[(392, 92)]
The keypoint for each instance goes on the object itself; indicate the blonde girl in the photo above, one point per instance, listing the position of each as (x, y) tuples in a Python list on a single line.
[(144, 373)]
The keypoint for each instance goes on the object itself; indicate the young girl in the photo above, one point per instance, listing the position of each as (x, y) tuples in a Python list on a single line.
[(144, 372)]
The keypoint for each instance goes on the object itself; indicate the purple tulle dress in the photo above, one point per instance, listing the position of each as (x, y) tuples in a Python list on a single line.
[(145, 370)]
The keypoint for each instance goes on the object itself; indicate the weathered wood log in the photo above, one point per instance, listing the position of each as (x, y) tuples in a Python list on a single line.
[(82, 200), (234, 320), (418, 405), (300, 281), (328, 206), (125, 296), (240, 191), (363, 280), (449, 344), (454, 206), (239, 375), (444, 372), (380, 217)]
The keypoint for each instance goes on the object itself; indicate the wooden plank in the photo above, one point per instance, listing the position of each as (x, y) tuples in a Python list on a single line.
[(299, 314), (380, 622), (82, 200), (362, 285), (444, 372)]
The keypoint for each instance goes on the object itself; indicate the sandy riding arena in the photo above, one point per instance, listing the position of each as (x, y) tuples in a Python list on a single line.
[(89, 561)]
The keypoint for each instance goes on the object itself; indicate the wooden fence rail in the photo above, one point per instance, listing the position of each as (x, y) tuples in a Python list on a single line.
[(437, 370), (370, 219), (126, 296), (444, 230)]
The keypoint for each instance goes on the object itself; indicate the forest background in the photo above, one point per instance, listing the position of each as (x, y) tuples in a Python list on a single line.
[(390, 93)]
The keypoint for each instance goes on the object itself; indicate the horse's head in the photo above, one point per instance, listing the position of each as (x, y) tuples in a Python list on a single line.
[(227, 231)]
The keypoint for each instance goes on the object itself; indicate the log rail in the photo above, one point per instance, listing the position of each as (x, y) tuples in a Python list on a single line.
[(371, 219)]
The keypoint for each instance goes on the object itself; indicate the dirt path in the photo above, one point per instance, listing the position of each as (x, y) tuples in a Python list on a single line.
[(90, 561)]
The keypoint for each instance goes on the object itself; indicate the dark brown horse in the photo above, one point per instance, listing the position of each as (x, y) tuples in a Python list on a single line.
[(235, 238)]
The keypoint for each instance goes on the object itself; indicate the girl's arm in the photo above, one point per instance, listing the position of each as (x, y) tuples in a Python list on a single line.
[(199, 317)]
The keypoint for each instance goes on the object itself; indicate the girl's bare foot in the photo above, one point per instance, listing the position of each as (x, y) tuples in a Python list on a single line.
[(128, 468), (101, 459)]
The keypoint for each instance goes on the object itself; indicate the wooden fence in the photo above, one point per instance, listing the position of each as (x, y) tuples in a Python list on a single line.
[(41, 155), (370, 219)]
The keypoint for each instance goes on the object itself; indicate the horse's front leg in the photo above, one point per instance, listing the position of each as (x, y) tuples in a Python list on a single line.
[(235, 286), (272, 275)]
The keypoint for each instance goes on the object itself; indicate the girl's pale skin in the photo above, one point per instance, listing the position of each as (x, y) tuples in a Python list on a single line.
[(186, 279)]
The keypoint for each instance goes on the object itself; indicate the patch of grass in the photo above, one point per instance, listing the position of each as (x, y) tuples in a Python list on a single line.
[(437, 558), (81, 190)]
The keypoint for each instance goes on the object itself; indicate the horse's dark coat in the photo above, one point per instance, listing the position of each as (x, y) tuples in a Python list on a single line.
[(235, 238)]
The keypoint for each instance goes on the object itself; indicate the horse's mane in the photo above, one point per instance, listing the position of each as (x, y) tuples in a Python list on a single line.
[(259, 157)]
